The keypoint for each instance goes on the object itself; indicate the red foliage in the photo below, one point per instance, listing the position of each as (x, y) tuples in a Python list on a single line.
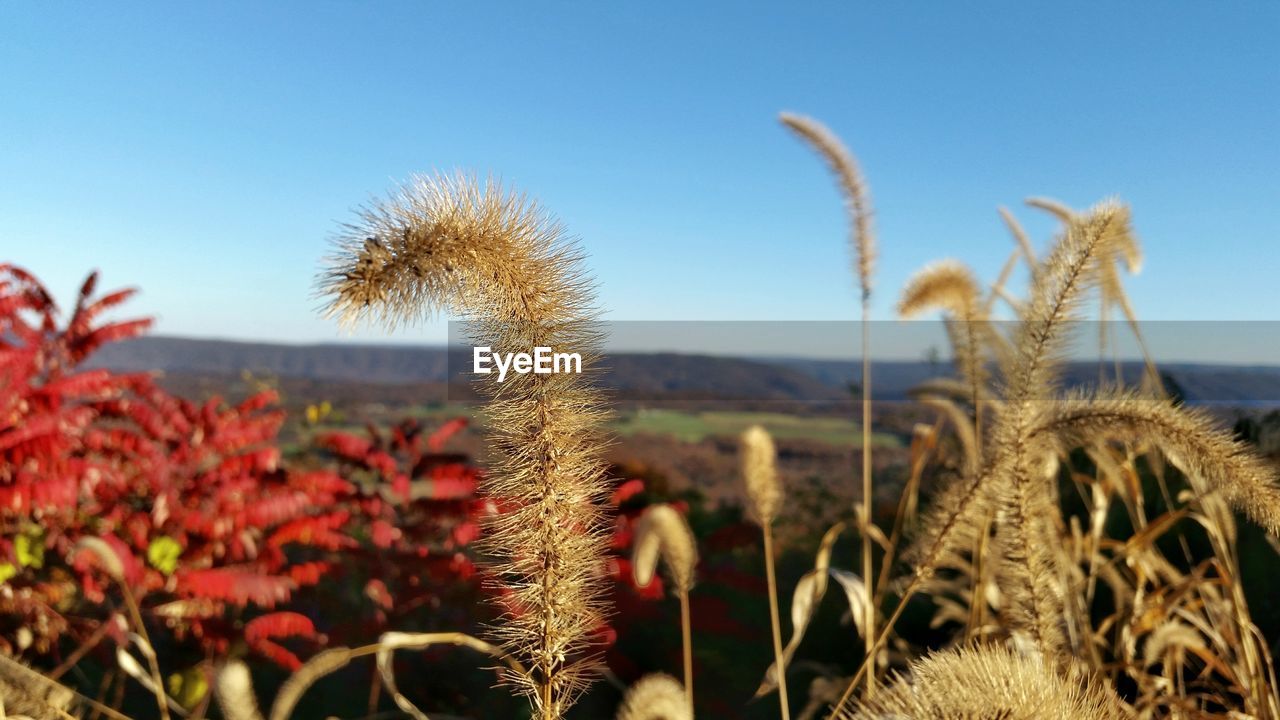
[(259, 632), (426, 512), (237, 585), (207, 525)]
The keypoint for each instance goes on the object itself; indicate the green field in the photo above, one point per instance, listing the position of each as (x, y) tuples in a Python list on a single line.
[(695, 426)]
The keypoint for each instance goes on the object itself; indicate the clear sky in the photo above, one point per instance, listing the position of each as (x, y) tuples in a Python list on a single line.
[(205, 151)]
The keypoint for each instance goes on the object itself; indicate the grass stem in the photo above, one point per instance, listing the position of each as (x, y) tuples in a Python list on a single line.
[(773, 618), (686, 633)]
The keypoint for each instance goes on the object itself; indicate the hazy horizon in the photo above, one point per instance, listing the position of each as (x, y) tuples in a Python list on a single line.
[(1236, 344)]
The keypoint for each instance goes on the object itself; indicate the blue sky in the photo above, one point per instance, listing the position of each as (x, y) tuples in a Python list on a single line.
[(205, 152)]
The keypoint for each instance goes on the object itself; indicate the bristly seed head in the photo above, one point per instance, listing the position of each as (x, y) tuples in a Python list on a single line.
[(663, 532), (453, 244), (760, 472)]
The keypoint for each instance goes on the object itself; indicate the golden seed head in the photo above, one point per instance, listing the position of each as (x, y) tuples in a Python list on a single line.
[(656, 696), (663, 532), (988, 682), (233, 689), (453, 244), (857, 198), (759, 470)]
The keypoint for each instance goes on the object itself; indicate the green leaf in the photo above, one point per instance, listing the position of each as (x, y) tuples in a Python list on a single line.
[(163, 554), (29, 547)]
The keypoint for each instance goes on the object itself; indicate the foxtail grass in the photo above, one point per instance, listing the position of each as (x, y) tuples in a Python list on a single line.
[(862, 240), (655, 697), (765, 497), (664, 533), (988, 682), (455, 244)]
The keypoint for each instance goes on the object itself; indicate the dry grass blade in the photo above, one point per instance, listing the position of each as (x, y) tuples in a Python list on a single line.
[(1019, 236), (131, 667), (808, 592), (1055, 208), (392, 641), (962, 425), (1002, 279), (454, 244), (1171, 637), (112, 564), (303, 678), (107, 559)]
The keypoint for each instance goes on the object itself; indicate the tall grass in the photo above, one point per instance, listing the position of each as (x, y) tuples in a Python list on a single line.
[(857, 200), (457, 244)]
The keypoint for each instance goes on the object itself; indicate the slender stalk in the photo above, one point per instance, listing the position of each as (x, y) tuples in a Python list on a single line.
[(686, 632), (905, 503), (83, 649), (375, 693), (773, 618), (548, 711), (857, 203), (162, 701), (869, 617)]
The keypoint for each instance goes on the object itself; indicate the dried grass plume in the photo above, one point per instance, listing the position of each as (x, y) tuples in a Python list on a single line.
[(495, 258), (657, 696), (233, 689), (759, 470), (987, 682), (663, 532)]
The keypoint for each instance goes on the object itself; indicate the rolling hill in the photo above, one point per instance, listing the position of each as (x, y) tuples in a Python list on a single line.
[(637, 376)]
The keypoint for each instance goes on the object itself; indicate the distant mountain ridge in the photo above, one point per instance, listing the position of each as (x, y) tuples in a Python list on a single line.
[(632, 375), (638, 374)]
